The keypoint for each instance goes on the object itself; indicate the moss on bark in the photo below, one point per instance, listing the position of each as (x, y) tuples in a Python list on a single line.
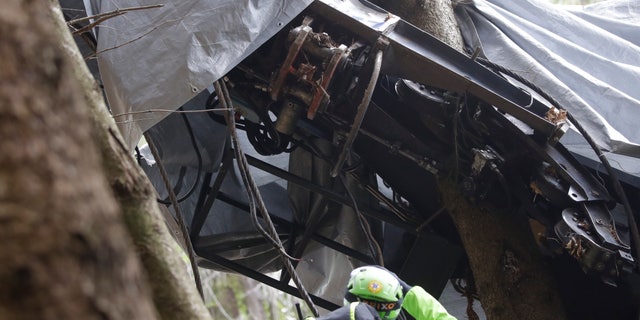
[(174, 293)]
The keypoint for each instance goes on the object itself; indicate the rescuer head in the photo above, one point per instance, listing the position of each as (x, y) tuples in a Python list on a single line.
[(376, 287)]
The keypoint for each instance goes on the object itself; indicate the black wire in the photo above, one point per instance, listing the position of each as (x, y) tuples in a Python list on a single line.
[(192, 138), (139, 156), (264, 137), (212, 103), (519, 78), (261, 139)]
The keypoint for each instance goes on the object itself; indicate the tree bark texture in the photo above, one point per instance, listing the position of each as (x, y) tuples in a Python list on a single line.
[(65, 252), (511, 276), (433, 16), (173, 290)]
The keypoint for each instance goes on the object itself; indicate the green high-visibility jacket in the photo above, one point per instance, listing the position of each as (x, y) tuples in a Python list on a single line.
[(418, 303), (423, 306)]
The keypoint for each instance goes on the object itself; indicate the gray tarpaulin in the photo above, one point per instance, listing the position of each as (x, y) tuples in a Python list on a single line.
[(160, 58), (587, 58)]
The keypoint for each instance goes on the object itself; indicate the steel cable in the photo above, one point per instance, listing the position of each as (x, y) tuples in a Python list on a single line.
[(256, 202)]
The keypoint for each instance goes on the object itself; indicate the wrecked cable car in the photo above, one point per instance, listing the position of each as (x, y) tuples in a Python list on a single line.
[(349, 115)]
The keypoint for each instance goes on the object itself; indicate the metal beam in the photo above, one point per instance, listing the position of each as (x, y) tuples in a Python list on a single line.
[(228, 264)]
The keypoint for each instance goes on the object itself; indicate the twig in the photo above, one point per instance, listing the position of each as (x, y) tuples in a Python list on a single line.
[(107, 15), (129, 41), (168, 111), (178, 212)]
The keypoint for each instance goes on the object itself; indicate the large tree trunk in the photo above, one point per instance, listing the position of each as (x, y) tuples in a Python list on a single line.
[(510, 274), (173, 290), (65, 252), (433, 16)]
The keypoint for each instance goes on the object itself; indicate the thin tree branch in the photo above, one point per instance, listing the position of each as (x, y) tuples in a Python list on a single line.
[(114, 13), (107, 15), (95, 54)]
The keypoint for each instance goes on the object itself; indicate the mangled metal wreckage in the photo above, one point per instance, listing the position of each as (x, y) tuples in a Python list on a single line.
[(355, 114)]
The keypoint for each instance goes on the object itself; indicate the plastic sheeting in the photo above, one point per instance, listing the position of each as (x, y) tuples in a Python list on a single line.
[(160, 58), (588, 60)]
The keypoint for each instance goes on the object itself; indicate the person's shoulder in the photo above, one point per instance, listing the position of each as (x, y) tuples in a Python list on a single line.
[(366, 312), (341, 313), (362, 311)]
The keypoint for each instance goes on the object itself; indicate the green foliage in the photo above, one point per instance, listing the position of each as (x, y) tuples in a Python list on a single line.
[(230, 296)]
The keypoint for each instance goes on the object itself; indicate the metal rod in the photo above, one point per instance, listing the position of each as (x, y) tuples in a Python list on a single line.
[(385, 215), (314, 236), (216, 259), (313, 222), (201, 214)]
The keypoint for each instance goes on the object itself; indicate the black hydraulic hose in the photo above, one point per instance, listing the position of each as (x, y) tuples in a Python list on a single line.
[(199, 157), (617, 186)]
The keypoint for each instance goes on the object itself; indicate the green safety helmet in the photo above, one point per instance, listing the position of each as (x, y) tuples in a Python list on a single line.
[(376, 287)]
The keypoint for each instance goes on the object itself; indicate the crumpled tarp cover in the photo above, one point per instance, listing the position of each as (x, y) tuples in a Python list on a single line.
[(159, 58), (586, 57)]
